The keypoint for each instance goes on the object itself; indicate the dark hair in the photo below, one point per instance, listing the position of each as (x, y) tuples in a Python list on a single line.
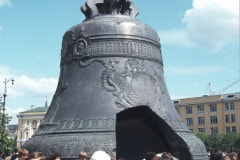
[(166, 156), (37, 155), (22, 152), (55, 155), (149, 155), (215, 154), (15, 150)]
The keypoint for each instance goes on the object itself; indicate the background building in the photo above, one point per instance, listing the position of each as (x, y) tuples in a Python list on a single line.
[(28, 122), (12, 131), (211, 114)]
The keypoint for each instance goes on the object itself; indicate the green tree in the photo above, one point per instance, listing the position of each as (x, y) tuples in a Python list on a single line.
[(214, 141), (14, 143), (5, 142), (238, 142), (229, 141)]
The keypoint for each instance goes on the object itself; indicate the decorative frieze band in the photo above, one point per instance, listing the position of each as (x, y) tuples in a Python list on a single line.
[(116, 48), (79, 124)]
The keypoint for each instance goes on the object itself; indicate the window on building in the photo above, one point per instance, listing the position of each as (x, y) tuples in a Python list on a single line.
[(213, 108), (226, 107), (232, 106), (189, 121), (213, 119), (233, 119), (201, 130), (34, 124), (234, 129), (201, 120), (189, 110), (26, 135), (214, 130), (228, 129), (227, 118), (200, 108)]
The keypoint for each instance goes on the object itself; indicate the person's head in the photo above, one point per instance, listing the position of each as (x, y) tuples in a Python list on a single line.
[(23, 154), (226, 157), (100, 155), (166, 156), (235, 155), (15, 151), (149, 155), (82, 155), (216, 154), (36, 156), (55, 156)]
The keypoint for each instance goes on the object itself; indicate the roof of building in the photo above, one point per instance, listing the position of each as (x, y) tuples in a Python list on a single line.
[(12, 128), (207, 99), (37, 109)]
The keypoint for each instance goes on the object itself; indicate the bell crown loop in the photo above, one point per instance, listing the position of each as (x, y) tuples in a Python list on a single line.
[(94, 8)]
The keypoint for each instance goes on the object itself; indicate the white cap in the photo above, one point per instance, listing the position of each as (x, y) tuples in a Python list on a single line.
[(100, 155)]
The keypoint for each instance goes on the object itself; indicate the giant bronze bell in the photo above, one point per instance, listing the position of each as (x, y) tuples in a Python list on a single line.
[(111, 93)]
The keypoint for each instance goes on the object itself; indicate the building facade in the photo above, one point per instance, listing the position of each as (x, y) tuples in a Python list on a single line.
[(211, 114), (28, 123)]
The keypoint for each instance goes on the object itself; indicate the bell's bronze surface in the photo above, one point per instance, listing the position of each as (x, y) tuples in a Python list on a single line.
[(111, 92)]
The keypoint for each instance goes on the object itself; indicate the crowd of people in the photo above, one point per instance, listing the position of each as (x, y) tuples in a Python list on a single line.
[(217, 154), (159, 156), (23, 154)]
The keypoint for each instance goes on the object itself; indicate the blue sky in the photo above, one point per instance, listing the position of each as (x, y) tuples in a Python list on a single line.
[(199, 38)]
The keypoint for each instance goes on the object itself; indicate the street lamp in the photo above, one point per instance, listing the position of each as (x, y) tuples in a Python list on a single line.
[(3, 107)]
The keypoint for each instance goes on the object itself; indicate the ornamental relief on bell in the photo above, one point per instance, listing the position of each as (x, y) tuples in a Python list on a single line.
[(134, 84)]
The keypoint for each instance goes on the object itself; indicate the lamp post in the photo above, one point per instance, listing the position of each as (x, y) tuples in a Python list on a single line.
[(3, 107)]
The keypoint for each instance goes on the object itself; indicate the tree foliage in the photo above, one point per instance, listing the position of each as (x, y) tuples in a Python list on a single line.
[(6, 143), (228, 142)]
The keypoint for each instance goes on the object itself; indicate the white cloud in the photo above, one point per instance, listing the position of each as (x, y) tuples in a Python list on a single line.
[(213, 23), (209, 23), (5, 3), (38, 87), (194, 70), (175, 37), (24, 85), (13, 112)]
